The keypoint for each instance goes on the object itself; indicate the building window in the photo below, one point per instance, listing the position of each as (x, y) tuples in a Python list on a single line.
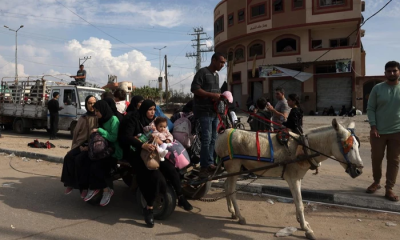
[(241, 15), (258, 10), (230, 19), (315, 44), (219, 25), (298, 3), (239, 54), (256, 48), (236, 77), (341, 42), (230, 56), (326, 3), (286, 45), (278, 6)]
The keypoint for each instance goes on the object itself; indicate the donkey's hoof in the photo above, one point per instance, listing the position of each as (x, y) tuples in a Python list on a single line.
[(242, 221), (310, 235), (233, 216)]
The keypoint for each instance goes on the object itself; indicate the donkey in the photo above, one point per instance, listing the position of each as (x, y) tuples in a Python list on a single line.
[(335, 140)]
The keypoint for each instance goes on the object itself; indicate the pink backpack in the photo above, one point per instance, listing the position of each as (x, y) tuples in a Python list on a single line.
[(183, 131)]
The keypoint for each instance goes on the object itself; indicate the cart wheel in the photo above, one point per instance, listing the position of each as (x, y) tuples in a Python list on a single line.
[(164, 205), (189, 190)]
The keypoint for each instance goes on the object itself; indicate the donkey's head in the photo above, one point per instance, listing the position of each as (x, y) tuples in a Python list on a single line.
[(346, 149)]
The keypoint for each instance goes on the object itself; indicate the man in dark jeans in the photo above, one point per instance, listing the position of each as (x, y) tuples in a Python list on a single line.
[(54, 107), (205, 87)]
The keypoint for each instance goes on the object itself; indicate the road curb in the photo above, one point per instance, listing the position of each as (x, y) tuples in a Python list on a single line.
[(279, 191), (347, 199), (33, 155)]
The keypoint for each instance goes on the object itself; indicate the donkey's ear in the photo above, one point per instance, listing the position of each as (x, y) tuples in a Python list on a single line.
[(352, 125), (335, 124)]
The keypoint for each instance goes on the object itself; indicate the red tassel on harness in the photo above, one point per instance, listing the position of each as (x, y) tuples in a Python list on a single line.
[(221, 122)]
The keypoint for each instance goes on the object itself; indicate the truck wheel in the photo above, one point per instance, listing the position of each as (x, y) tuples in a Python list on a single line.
[(164, 205), (18, 127)]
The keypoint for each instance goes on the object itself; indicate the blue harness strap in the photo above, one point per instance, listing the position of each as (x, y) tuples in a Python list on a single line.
[(255, 158)]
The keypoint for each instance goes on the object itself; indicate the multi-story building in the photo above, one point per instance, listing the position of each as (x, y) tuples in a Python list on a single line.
[(304, 35)]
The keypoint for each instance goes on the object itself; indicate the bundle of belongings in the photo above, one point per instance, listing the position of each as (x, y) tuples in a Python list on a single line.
[(37, 144)]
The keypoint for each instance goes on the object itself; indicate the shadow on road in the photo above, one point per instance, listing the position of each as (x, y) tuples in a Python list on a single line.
[(44, 195)]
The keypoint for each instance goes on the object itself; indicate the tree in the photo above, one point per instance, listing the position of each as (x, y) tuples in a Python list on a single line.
[(147, 92)]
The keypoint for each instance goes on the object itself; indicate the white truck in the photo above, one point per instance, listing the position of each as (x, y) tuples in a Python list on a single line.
[(23, 103)]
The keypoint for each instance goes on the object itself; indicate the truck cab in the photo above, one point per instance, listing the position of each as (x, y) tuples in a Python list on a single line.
[(72, 99)]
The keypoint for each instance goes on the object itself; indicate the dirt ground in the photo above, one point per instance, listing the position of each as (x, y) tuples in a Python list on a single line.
[(34, 207)]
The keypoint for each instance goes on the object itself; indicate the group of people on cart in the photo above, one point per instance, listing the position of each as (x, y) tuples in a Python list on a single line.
[(122, 126)]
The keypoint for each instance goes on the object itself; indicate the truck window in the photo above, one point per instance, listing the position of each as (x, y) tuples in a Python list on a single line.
[(69, 96)]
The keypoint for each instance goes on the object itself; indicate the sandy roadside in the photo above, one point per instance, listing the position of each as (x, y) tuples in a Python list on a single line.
[(19, 142)]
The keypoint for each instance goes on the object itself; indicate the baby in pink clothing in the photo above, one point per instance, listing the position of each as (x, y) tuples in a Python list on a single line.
[(161, 135)]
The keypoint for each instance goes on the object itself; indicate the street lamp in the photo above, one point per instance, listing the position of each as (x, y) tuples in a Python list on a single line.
[(16, 50), (159, 56)]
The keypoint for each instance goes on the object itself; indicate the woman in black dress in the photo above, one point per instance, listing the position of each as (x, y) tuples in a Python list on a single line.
[(151, 182)]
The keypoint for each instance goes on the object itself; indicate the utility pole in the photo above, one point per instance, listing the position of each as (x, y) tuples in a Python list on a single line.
[(84, 59), (166, 81), (198, 32)]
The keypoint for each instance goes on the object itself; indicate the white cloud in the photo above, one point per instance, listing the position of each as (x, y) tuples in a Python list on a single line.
[(130, 66), (7, 68)]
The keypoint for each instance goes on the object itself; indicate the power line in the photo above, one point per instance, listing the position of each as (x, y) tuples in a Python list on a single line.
[(100, 28), (180, 81)]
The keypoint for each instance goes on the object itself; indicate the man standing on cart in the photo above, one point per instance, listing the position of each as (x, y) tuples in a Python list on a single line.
[(205, 87)]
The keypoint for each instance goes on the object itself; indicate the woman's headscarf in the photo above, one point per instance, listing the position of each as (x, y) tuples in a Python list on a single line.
[(133, 104), (89, 113), (113, 107), (143, 110), (188, 107), (112, 104), (105, 110)]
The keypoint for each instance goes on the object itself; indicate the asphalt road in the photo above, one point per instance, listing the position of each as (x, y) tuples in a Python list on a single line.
[(34, 207)]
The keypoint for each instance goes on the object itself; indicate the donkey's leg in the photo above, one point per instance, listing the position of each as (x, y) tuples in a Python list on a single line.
[(231, 189), (228, 200), (295, 188)]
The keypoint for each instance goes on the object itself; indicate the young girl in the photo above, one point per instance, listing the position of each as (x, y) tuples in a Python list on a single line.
[(161, 135), (295, 119)]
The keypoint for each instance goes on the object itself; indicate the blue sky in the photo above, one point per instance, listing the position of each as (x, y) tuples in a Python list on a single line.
[(53, 38)]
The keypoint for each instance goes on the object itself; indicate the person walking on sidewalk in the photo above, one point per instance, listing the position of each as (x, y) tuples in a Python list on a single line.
[(384, 117), (54, 107), (205, 87)]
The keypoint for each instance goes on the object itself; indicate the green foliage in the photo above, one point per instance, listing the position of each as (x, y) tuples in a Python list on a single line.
[(174, 96), (147, 93)]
